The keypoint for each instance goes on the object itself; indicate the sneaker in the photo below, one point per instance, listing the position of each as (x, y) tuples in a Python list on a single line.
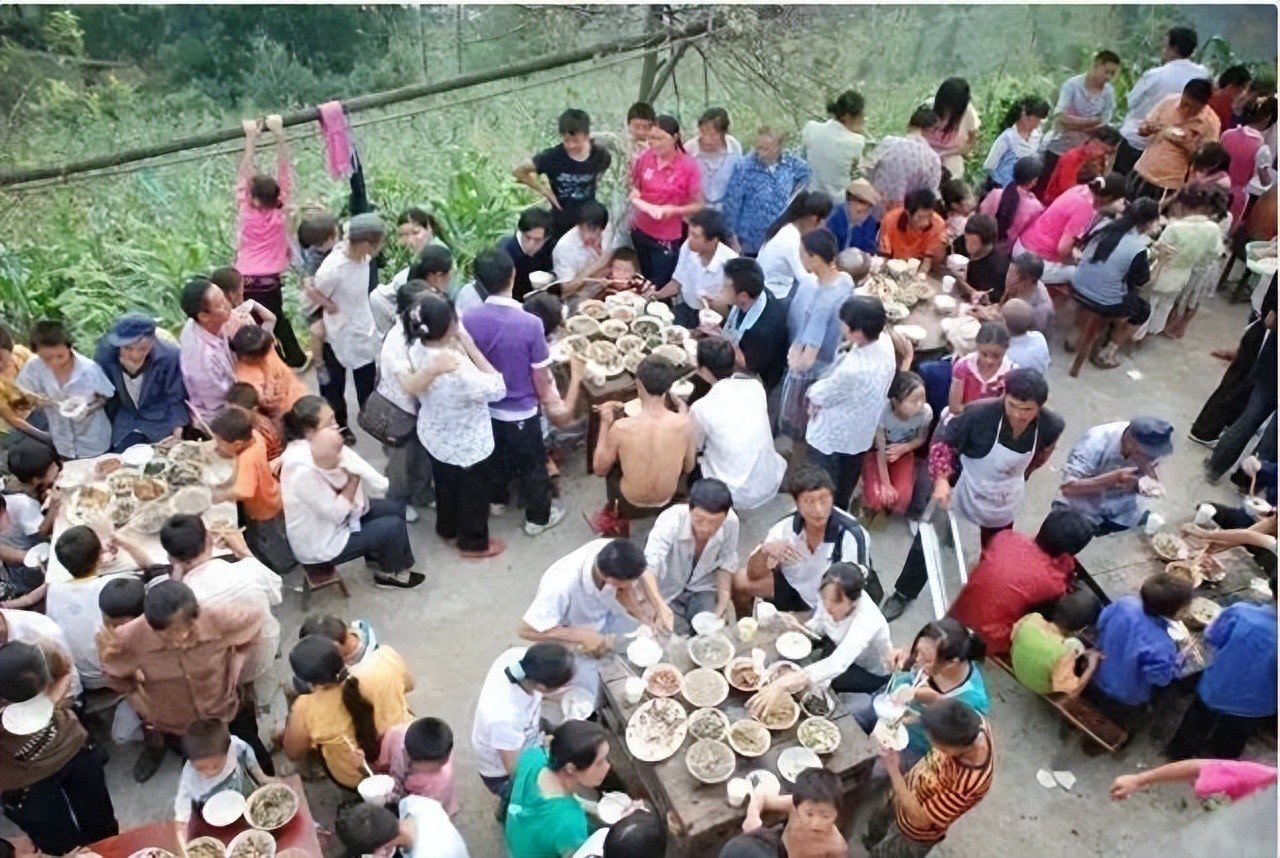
[(557, 516), (405, 580), (1203, 442), (148, 763), (348, 437), (497, 510), (894, 606), (410, 514)]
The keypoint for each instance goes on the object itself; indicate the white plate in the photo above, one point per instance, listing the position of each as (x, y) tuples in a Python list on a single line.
[(765, 782), (611, 806), (644, 652), (895, 740), (223, 809), (915, 333), (656, 749), (577, 704), (793, 761), (23, 719), (886, 708), (705, 623), (37, 557), (793, 646), (138, 455)]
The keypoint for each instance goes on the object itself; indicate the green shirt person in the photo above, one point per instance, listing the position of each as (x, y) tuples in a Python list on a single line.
[(1046, 656), (544, 819)]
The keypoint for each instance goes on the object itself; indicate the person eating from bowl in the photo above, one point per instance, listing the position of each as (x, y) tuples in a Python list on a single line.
[(698, 279), (149, 403), (854, 641), (71, 390), (812, 808), (692, 551), (1111, 469), (587, 596), (642, 458), (786, 569)]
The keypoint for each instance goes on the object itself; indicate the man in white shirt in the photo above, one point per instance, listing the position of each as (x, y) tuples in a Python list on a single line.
[(1166, 79), (582, 252), (699, 274), (846, 405), (603, 586), (731, 425), (341, 290), (692, 551)]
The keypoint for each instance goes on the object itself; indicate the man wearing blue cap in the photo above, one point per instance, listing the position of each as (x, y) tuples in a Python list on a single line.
[(150, 398), (1112, 469)]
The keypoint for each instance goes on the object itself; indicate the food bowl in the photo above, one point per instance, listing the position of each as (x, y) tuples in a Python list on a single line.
[(593, 309), (781, 715), (663, 680), (206, 847), (957, 262), (602, 352), (819, 704), (945, 304), (1169, 546), (271, 806), (1186, 570), (1150, 487), (742, 674), (630, 344), (541, 279), (152, 852), (252, 844), (648, 326), (793, 646), (1257, 506), (779, 669), (895, 311), (710, 761), (682, 389), (793, 761), (749, 738), (577, 704), (631, 360), (659, 310), (611, 806), (1200, 614), (192, 500), (223, 809), (894, 738), (709, 724), (915, 333), (613, 328), (713, 650), (819, 735), (898, 267), (706, 622), (675, 355), (644, 652), (622, 313), (377, 789), (582, 325), (704, 687), (709, 318)]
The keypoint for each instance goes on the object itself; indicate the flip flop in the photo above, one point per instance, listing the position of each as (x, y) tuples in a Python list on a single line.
[(1102, 362)]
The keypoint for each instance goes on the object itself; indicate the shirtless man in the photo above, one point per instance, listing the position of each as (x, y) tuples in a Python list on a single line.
[(642, 457)]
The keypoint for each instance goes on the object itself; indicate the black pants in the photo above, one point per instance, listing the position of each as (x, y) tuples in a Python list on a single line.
[(1049, 160), (462, 503), (657, 258), (1126, 157), (335, 392), (1206, 733), (915, 574), (273, 300), (855, 679), (70, 808), (520, 454), (1225, 405), (1235, 438), (245, 727), (383, 537), (845, 469)]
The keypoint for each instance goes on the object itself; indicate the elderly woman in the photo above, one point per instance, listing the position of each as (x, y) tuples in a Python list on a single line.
[(149, 402), (329, 516), (759, 188)]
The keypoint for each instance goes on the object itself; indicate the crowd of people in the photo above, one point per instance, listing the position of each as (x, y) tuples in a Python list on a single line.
[(455, 378)]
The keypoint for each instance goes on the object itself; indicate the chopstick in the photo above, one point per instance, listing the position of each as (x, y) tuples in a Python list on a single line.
[(199, 420), (364, 763)]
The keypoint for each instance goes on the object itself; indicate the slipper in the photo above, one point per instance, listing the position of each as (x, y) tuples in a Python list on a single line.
[(1102, 361), (1224, 354), (496, 547)]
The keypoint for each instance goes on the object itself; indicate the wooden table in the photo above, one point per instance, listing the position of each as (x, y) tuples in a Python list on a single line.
[(299, 833), (925, 316), (699, 814)]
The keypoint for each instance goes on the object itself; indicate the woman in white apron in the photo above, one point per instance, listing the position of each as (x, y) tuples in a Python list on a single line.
[(992, 483)]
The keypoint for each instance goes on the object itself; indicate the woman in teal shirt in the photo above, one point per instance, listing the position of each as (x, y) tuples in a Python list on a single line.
[(544, 819)]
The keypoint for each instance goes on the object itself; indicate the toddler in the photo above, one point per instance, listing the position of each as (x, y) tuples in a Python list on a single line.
[(419, 757), (889, 477), (1027, 346), (317, 234), (216, 762)]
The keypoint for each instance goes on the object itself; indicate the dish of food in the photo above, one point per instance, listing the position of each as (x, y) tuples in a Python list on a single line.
[(252, 844), (676, 354), (896, 311), (1169, 546), (647, 326), (709, 318), (151, 518), (148, 489), (183, 474), (782, 713), (659, 309), (818, 704), (611, 806), (155, 467), (223, 809), (705, 687), (713, 650), (793, 761), (682, 389), (593, 309), (577, 704), (271, 806), (631, 360), (192, 500), (663, 680), (742, 674), (88, 502), (709, 724), (582, 325), (1201, 612), (1187, 571), (656, 730), (819, 735), (944, 303), (613, 328), (779, 669), (121, 482), (122, 509), (630, 343), (108, 466), (892, 737), (675, 335), (644, 652), (602, 351), (206, 847), (710, 761), (793, 645), (576, 344), (915, 333), (749, 738), (188, 451), (153, 852), (623, 313)]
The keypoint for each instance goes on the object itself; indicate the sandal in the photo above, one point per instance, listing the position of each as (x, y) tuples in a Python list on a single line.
[(1103, 360)]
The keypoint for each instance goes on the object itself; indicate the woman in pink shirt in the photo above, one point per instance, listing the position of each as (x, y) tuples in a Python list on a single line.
[(1053, 235), (1015, 206), (666, 186), (1250, 156), (262, 231)]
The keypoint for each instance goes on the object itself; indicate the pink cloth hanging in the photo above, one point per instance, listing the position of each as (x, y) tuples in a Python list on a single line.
[(337, 139)]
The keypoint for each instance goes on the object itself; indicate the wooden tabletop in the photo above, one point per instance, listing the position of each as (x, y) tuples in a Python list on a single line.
[(1120, 562), (298, 833), (700, 813)]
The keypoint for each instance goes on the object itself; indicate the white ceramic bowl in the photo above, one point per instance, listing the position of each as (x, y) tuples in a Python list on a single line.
[(541, 279), (138, 455), (944, 303), (793, 646), (957, 262), (577, 704), (377, 789), (705, 623), (223, 809), (611, 806), (644, 652)]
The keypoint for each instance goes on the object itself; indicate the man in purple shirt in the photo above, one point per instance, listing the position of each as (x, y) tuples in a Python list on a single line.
[(514, 342), (208, 369)]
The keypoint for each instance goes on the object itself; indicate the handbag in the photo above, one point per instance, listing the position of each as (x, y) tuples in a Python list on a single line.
[(387, 422)]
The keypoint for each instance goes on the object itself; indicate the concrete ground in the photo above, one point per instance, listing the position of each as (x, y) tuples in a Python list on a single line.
[(451, 628)]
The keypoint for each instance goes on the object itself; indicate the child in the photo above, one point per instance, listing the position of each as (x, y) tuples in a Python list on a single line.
[(71, 389), (958, 203), (244, 395), (258, 364), (624, 272), (1027, 347), (317, 235), (423, 828), (419, 757), (1046, 656), (573, 170), (981, 373), (812, 808), (253, 487), (216, 762), (354, 642), (120, 601), (889, 477), (243, 312)]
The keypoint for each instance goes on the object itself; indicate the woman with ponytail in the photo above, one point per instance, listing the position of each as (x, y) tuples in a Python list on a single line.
[(666, 187), (1055, 234), (348, 710), (1014, 206), (454, 384), (1112, 271)]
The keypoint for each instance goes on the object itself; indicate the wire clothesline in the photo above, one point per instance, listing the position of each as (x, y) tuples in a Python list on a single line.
[(629, 56)]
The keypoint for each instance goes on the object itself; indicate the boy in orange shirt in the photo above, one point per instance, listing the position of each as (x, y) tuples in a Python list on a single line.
[(254, 488), (245, 395), (258, 364)]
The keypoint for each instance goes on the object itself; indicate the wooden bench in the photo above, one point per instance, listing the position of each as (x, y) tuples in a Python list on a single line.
[(1079, 713)]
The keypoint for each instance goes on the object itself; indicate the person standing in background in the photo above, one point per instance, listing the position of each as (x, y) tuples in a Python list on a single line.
[(1168, 78), (573, 170), (1233, 83), (834, 148), (1085, 104), (956, 132), (1177, 127), (666, 187), (760, 187), (716, 151), (906, 164)]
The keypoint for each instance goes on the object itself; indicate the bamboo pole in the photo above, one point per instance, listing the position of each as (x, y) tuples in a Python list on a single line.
[(358, 104)]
